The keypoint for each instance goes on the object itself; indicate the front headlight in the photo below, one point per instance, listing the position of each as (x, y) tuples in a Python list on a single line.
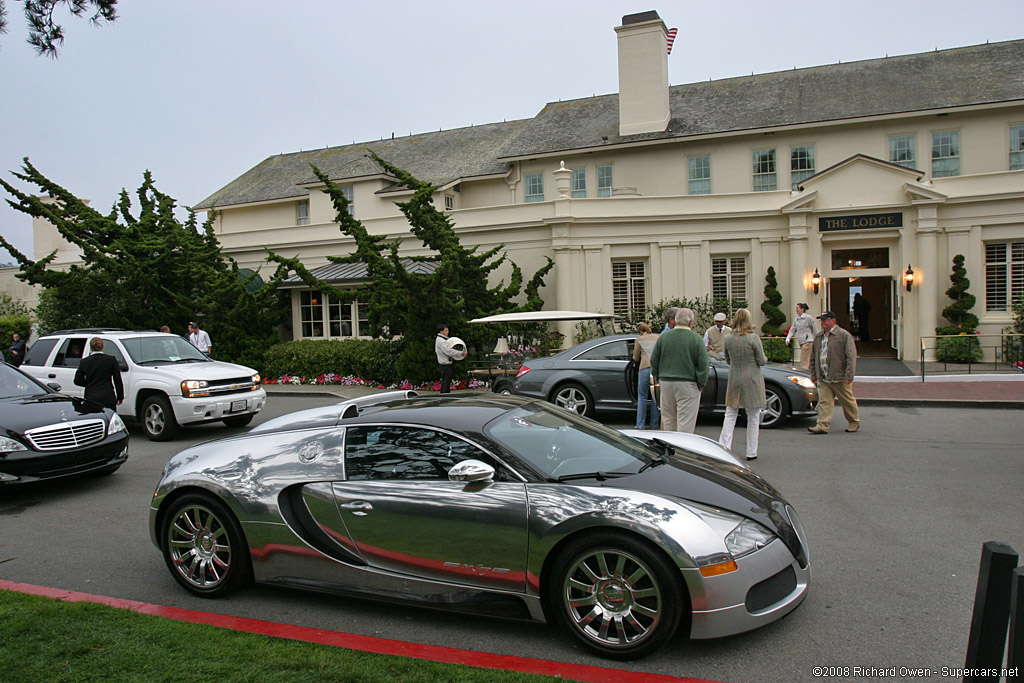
[(192, 388), (256, 381), (747, 537), (10, 445), (805, 382), (115, 425)]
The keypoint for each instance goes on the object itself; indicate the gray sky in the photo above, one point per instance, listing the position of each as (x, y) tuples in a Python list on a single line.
[(198, 92)]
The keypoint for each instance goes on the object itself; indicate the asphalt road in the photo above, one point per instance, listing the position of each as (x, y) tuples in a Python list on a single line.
[(896, 515)]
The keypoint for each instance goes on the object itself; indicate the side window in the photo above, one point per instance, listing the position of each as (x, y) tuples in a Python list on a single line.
[(40, 351), (111, 348), (70, 353), (383, 452), (616, 350)]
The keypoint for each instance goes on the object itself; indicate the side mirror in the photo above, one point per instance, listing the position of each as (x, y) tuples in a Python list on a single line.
[(471, 470), (123, 366), (53, 385)]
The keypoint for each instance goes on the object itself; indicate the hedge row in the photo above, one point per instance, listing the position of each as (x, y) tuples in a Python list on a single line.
[(367, 358)]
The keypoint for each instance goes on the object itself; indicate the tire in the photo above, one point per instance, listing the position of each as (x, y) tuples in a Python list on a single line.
[(503, 387), (574, 397), (158, 421), (204, 548), (616, 595), (239, 420), (776, 407)]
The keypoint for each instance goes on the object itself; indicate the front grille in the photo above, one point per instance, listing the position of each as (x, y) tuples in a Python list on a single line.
[(763, 595), (219, 387), (65, 435)]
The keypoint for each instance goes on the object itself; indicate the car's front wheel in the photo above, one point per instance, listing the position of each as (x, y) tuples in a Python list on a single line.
[(158, 419), (776, 409), (204, 547), (617, 595), (574, 397)]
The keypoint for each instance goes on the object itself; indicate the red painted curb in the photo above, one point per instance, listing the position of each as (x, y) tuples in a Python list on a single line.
[(577, 672)]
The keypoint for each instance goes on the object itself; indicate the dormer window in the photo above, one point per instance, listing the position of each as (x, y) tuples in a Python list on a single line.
[(449, 202), (302, 212)]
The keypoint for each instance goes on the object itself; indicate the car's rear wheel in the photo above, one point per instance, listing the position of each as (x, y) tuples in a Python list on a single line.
[(239, 420), (503, 386), (776, 409), (158, 419), (204, 547), (616, 595), (574, 397)]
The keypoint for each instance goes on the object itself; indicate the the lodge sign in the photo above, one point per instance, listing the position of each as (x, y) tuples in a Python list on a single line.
[(870, 221)]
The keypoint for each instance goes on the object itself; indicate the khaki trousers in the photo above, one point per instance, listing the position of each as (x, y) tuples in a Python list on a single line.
[(680, 402), (828, 394), (805, 355)]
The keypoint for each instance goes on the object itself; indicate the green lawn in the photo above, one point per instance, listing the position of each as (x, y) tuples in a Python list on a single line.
[(42, 639)]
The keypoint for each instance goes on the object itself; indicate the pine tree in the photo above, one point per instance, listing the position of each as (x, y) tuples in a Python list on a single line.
[(773, 315)]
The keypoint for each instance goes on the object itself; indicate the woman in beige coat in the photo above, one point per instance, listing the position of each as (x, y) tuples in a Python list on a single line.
[(745, 355)]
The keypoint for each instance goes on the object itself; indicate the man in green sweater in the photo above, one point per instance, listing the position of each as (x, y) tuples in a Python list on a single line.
[(679, 362)]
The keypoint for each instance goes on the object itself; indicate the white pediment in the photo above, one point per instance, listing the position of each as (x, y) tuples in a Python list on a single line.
[(859, 182)]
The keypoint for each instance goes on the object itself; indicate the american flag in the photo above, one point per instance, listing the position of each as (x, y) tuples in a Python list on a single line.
[(671, 38)]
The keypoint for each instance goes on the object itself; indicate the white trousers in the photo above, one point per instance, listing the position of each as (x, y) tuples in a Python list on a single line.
[(753, 428)]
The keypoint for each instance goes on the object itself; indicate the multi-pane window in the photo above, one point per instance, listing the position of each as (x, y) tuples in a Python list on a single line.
[(1016, 148), (311, 314), (629, 287), (729, 278), (604, 181), (903, 150), (945, 153), (449, 202), (302, 212), (801, 164), (579, 183), (764, 170), (348, 193), (534, 187), (699, 174), (1004, 274)]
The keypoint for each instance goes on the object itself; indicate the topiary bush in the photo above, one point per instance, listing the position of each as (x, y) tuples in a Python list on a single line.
[(964, 347), (773, 315)]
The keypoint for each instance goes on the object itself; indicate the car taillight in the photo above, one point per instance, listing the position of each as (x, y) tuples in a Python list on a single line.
[(522, 371)]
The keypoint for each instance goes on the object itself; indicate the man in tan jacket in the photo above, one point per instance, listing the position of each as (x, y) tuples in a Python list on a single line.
[(833, 366)]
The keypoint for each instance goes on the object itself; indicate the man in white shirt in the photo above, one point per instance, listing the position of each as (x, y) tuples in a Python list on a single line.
[(714, 337), (199, 339)]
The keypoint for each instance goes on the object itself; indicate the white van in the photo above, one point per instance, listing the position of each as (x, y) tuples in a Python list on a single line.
[(167, 381)]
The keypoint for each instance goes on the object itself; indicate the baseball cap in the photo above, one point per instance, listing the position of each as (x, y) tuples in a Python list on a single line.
[(827, 314), (719, 317)]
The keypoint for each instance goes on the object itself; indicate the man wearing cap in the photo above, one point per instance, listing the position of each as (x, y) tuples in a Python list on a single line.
[(714, 337), (833, 366)]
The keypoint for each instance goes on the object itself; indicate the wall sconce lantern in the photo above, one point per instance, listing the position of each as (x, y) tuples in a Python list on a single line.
[(908, 277), (816, 280)]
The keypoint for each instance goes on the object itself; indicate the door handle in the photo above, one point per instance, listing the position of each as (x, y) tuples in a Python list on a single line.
[(359, 508), (52, 376)]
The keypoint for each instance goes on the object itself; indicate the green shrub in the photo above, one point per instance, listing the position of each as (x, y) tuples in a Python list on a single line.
[(371, 359), (962, 348), (777, 350)]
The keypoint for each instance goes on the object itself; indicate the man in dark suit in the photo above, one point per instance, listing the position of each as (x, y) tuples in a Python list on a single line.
[(100, 374)]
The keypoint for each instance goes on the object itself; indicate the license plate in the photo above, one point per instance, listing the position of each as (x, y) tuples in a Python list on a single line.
[(237, 406)]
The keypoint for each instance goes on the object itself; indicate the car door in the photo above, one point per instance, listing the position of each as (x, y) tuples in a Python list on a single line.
[(607, 367), (403, 515), (65, 364)]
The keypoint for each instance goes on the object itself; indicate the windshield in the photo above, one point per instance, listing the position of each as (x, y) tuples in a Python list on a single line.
[(14, 384), (560, 444), (161, 349)]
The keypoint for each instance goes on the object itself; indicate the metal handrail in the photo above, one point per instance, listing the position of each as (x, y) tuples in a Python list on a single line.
[(1008, 348)]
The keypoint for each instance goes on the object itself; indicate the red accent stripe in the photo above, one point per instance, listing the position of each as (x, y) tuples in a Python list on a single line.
[(671, 38), (578, 672)]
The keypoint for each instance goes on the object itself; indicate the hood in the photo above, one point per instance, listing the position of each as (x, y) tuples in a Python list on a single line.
[(21, 413), (208, 370)]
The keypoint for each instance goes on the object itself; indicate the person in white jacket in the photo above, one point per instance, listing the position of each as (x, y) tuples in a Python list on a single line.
[(804, 329)]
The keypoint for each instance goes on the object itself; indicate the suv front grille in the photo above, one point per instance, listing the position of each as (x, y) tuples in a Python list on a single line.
[(65, 435), (218, 387)]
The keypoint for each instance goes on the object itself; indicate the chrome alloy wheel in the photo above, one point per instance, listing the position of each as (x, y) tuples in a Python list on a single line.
[(612, 597), (573, 398), (199, 547), (155, 418)]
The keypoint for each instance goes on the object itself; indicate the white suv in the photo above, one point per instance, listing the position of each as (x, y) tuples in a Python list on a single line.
[(167, 381)]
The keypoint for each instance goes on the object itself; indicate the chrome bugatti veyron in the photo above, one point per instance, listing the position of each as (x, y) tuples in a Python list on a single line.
[(493, 504)]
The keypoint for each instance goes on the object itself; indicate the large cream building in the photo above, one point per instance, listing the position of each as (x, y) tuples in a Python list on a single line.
[(859, 172)]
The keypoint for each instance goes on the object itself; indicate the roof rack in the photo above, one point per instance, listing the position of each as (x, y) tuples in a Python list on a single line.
[(81, 330)]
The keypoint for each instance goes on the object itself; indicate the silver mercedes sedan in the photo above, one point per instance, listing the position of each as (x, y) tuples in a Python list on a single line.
[(492, 504)]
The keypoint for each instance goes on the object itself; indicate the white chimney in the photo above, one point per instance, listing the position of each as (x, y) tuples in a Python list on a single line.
[(643, 74)]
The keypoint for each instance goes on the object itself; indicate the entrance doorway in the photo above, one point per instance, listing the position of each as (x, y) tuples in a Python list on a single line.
[(872, 329)]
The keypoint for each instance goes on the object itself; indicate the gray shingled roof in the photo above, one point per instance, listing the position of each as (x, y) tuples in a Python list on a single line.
[(438, 157), (350, 273), (974, 75), (930, 80)]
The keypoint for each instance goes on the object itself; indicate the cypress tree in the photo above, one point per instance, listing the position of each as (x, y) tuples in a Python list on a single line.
[(773, 315)]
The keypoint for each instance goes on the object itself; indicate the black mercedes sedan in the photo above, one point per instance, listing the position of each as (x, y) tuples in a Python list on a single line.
[(46, 435)]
